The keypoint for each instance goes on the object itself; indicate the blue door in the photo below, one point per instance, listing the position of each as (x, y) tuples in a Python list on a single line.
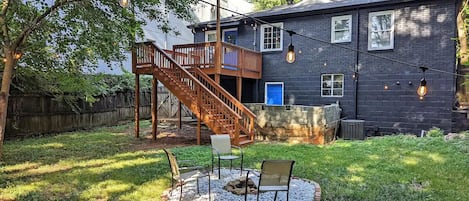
[(230, 56), (230, 36), (274, 93)]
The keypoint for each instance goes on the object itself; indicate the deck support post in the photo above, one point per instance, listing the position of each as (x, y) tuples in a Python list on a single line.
[(179, 115), (137, 106), (239, 88), (154, 108), (218, 47), (199, 107), (217, 78)]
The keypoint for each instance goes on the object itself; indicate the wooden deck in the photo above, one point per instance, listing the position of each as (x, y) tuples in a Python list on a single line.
[(235, 61), (207, 100)]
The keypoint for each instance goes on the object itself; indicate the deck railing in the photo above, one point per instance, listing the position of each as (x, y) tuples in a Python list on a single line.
[(235, 60)]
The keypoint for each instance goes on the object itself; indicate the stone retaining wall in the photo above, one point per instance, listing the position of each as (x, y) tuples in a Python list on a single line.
[(297, 123)]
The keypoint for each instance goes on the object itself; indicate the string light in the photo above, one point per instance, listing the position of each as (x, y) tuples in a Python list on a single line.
[(386, 87), (18, 55), (422, 89), (291, 49), (124, 3)]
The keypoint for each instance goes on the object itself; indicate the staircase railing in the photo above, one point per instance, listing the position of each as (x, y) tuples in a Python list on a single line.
[(247, 117), (206, 103)]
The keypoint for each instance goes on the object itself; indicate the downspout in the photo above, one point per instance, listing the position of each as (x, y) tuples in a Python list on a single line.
[(459, 5), (458, 10), (254, 42), (357, 54)]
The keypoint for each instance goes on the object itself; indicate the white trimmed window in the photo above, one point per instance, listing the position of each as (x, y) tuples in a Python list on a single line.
[(381, 30), (271, 37), (273, 93), (341, 29), (332, 85), (211, 36)]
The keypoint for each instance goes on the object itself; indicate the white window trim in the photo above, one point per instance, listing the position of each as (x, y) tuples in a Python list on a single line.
[(372, 14), (280, 24), (332, 88), (338, 18), (225, 30), (209, 32), (265, 91)]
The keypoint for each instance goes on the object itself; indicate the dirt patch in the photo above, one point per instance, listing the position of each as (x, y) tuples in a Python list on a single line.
[(169, 136)]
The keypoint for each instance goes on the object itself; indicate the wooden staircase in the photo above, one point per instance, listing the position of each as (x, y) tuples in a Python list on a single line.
[(213, 105)]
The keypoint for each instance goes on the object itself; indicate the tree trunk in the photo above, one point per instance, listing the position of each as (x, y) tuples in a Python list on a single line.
[(4, 94)]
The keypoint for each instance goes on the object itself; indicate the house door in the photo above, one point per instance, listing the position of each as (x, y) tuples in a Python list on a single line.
[(230, 35), (273, 93), (230, 55)]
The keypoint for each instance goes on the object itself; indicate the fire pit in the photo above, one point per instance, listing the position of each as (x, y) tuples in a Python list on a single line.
[(300, 189), (238, 186)]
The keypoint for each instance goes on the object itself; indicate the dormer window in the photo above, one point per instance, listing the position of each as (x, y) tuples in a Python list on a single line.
[(271, 37), (381, 30), (341, 29)]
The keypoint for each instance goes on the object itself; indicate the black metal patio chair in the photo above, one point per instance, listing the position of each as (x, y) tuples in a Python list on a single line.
[(185, 174)]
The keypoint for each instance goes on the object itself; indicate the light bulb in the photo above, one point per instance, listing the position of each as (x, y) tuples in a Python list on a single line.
[(18, 55), (124, 3), (422, 89), (291, 54)]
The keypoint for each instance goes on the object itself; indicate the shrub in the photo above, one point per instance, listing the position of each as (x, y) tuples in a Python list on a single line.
[(435, 132)]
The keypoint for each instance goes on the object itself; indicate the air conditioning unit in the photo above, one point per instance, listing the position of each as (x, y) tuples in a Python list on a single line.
[(352, 129)]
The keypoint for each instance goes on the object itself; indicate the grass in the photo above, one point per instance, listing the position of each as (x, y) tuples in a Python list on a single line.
[(104, 164)]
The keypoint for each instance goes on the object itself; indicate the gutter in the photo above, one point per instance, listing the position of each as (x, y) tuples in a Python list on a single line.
[(357, 57)]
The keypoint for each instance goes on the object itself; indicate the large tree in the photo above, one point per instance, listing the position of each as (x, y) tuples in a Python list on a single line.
[(69, 36), (267, 4)]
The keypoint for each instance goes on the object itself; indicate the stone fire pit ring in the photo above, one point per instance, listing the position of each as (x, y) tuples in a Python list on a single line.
[(300, 189)]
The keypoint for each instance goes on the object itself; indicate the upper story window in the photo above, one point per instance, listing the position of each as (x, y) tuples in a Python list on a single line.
[(271, 37), (211, 36), (213, 13), (341, 29), (332, 85), (381, 30)]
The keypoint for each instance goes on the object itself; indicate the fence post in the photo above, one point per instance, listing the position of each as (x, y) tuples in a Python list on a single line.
[(137, 106), (154, 107)]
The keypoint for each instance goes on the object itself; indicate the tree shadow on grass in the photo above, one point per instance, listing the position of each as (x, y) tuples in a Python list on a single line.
[(119, 175)]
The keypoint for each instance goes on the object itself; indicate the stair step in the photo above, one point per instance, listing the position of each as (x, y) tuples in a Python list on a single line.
[(228, 125), (245, 142), (243, 137), (224, 121), (216, 115)]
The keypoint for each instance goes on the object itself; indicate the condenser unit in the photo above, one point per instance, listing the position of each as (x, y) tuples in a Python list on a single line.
[(352, 129)]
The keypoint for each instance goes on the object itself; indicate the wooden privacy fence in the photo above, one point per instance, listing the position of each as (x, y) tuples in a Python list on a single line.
[(168, 104), (33, 114)]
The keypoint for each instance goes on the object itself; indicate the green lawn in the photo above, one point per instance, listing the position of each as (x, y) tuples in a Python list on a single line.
[(103, 165)]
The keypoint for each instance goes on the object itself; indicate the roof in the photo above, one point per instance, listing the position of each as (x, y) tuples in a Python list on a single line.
[(315, 5), (310, 6)]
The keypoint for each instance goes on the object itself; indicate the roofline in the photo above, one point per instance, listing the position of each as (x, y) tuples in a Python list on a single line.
[(263, 14)]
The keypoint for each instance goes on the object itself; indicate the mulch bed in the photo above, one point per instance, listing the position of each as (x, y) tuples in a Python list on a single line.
[(170, 136)]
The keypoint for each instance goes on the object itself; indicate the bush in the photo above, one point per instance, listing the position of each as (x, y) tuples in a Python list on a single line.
[(435, 132)]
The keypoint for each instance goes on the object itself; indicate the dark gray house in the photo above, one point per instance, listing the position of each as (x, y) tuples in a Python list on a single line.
[(365, 54)]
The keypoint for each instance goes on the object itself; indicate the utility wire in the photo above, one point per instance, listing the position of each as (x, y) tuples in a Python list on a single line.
[(260, 21)]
